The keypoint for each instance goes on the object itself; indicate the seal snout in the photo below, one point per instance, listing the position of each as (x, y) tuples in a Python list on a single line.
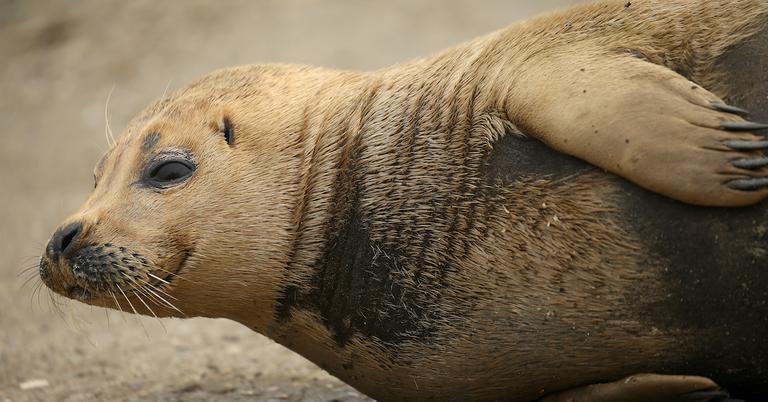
[(76, 266)]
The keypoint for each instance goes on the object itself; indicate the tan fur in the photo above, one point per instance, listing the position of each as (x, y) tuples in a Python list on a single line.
[(543, 268)]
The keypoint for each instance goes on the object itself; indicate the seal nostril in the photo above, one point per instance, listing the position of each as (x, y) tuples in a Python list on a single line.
[(67, 239), (63, 239)]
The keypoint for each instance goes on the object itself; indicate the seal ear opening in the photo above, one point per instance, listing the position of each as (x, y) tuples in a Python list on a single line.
[(225, 127)]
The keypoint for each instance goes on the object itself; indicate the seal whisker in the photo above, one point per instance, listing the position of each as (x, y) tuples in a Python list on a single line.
[(26, 270), (36, 291), (108, 128), (176, 275), (151, 289), (49, 303), (26, 276), (29, 280), (134, 312), (169, 304), (40, 295), (168, 85), (54, 306), (30, 258), (97, 145), (141, 287), (161, 291), (159, 278), (119, 307), (30, 268), (32, 277), (138, 292), (152, 297)]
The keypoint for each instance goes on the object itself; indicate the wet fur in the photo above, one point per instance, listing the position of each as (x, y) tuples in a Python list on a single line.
[(403, 230)]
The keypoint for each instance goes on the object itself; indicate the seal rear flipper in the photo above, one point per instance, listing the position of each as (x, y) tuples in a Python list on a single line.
[(646, 387)]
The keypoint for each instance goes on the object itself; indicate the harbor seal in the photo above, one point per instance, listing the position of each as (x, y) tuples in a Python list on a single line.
[(449, 228)]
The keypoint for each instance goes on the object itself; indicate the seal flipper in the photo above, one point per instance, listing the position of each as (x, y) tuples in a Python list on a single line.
[(646, 387), (651, 126)]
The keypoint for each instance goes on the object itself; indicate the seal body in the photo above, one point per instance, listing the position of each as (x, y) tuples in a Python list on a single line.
[(409, 231)]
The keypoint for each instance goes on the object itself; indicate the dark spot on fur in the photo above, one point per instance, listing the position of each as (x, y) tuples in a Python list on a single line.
[(515, 157), (713, 260), (747, 65), (358, 284), (359, 287), (713, 263), (150, 141)]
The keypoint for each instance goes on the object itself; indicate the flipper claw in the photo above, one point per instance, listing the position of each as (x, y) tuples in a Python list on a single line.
[(749, 184), (742, 126), (740, 145), (750, 163), (729, 109)]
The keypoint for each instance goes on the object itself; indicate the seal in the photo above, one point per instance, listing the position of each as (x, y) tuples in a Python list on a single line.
[(459, 227)]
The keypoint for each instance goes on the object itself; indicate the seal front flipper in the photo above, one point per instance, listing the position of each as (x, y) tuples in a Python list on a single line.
[(651, 125), (646, 387)]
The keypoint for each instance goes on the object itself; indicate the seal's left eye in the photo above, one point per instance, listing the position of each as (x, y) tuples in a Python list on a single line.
[(170, 172)]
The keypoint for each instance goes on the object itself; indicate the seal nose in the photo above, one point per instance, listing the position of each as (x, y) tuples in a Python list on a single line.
[(62, 240)]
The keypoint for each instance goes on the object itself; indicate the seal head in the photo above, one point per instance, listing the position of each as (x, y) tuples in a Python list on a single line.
[(177, 191)]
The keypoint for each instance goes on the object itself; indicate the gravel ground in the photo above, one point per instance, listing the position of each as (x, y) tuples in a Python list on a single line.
[(58, 62)]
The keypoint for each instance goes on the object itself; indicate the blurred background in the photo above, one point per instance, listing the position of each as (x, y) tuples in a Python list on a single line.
[(59, 60)]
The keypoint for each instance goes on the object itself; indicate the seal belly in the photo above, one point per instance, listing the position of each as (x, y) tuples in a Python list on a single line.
[(711, 288), (715, 282)]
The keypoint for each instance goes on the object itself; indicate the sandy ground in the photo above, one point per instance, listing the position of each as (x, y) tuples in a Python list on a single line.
[(58, 62)]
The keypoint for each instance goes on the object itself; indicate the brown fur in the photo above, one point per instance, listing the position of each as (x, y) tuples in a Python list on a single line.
[(360, 218)]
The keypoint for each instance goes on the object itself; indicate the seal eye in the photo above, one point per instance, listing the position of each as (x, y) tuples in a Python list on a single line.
[(170, 172)]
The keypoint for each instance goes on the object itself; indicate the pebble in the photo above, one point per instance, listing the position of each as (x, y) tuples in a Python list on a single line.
[(32, 384)]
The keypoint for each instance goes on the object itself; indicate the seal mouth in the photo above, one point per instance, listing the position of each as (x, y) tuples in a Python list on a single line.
[(154, 282), (79, 293), (162, 282)]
